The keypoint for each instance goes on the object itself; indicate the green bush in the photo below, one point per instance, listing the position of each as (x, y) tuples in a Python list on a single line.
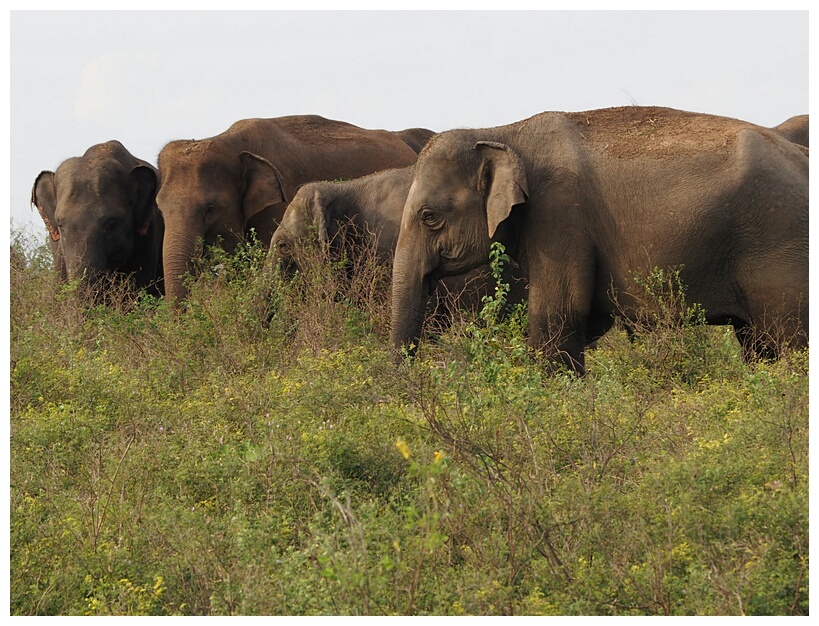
[(259, 453)]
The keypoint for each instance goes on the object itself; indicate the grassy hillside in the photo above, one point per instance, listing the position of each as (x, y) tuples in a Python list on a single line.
[(260, 453)]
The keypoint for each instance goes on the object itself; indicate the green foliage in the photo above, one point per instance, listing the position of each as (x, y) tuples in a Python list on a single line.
[(259, 453), (670, 338)]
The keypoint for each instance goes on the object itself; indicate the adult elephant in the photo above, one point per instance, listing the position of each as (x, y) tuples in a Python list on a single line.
[(794, 129), (373, 205), (101, 215), (215, 190), (585, 200)]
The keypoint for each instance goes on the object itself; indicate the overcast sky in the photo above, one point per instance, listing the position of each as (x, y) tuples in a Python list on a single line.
[(146, 78)]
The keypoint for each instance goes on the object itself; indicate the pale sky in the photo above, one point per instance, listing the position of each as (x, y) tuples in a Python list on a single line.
[(146, 78)]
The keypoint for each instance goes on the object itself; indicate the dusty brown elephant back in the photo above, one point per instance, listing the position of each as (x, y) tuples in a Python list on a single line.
[(101, 215), (795, 129), (416, 138), (216, 190), (583, 201)]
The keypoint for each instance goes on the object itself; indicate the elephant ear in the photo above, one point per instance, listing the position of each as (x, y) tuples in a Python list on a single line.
[(262, 185), (501, 180), (44, 197), (319, 213), (143, 197)]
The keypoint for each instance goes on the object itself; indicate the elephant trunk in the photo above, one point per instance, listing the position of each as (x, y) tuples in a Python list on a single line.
[(410, 293), (77, 269), (84, 260), (178, 252)]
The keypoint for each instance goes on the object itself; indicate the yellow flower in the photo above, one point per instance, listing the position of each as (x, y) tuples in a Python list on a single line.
[(438, 456), (403, 448)]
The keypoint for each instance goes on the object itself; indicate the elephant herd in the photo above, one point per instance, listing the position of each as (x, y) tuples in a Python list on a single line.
[(581, 202)]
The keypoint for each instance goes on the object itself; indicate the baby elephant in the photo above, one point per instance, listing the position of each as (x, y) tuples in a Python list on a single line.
[(101, 215), (372, 203)]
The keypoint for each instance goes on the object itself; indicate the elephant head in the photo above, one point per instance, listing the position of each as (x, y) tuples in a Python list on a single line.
[(309, 210), (463, 189), (100, 213), (369, 205), (221, 187), (211, 192)]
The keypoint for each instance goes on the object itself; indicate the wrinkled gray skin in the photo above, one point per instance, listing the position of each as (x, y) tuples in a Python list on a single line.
[(794, 130), (215, 190), (374, 204), (582, 200), (100, 212)]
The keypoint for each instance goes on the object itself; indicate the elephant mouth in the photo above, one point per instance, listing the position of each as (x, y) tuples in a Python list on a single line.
[(452, 264), (428, 283), (288, 266)]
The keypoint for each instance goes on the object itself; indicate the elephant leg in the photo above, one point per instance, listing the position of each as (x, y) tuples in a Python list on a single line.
[(560, 337), (599, 323), (756, 344), (774, 315), (562, 332), (767, 342)]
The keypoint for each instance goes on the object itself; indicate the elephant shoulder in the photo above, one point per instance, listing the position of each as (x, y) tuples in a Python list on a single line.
[(767, 163)]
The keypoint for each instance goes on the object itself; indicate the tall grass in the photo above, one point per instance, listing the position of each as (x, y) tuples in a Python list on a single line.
[(261, 453)]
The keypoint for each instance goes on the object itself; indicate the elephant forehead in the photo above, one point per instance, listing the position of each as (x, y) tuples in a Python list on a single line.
[(188, 183), (295, 215), (441, 188), (197, 160), (90, 190), (182, 149), (299, 201), (451, 168), (198, 167), (91, 214)]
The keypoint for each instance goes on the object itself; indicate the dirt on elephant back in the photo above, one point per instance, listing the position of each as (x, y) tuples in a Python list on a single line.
[(311, 129), (632, 131), (316, 129)]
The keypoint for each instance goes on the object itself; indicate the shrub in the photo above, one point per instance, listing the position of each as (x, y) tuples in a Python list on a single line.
[(258, 453)]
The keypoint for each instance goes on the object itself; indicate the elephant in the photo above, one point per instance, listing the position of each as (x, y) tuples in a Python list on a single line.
[(416, 138), (794, 129), (216, 190), (371, 203), (102, 219), (374, 204), (584, 201)]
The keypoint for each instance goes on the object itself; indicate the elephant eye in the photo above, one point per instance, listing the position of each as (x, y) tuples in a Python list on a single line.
[(208, 209), (431, 218)]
